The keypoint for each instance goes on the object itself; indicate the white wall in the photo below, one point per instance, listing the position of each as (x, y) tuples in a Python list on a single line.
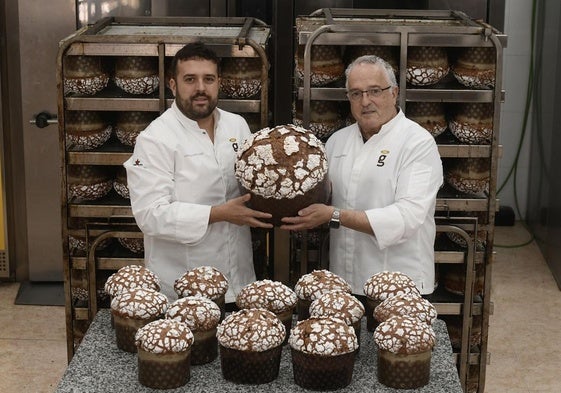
[(518, 19)]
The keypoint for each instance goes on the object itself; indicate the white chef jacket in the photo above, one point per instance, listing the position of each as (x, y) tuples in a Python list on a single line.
[(394, 178), (174, 176)]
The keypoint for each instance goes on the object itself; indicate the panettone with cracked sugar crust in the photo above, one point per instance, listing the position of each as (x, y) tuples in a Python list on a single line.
[(164, 352), (270, 295), (133, 309), (85, 130), (325, 117), (250, 342), (79, 241), (312, 285), (430, 115), (202, 316), (411, 304), (426, 65), (472, 123), (120, 183), (284, 169), (468, 175), (133, 244), (323, 353), (381, 286), (137, 74), (326, 64), (388, 53), (475, 67), (404, 352), (240, 77), (130, 124), (84, 75), (340, 305), (88, 182), (130, 277), (206, 281)]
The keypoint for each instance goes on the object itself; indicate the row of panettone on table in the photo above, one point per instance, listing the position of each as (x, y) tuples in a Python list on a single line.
[(170, 337)]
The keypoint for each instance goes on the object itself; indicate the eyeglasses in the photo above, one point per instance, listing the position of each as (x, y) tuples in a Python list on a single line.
[(356, 95)]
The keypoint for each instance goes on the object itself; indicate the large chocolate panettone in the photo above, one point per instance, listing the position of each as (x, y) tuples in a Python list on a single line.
[(86, 130), (475, 67), (426, 65), (325, 117), (468, 175), (241, 76), (137, 74), (430, 115), (326, 64), (284, 168), (472, 123), (84, 75)]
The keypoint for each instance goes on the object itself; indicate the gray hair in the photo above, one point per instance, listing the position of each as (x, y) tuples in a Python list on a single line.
[(374, 60)]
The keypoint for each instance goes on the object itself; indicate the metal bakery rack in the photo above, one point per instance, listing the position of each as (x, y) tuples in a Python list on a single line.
[(462, 214), (93, 224)]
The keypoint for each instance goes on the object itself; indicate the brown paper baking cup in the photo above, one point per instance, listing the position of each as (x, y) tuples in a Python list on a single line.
[(317, 372), (164, 370), (205, 347), (357, 328), (286, 319), (221, 303), (404, 371), (250, 367), (303, 309), (125, 330), (371, 322)]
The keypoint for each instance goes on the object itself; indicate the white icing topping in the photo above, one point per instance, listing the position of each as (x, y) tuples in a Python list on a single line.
[(164, 335), (270, 295), (130, 277), (199, 313), (387, 284), (338, 304), (405, 335), (326, 336), (411, 304), (255, 330), (205, 281), (139, 303), (290, 145), (312, 285)]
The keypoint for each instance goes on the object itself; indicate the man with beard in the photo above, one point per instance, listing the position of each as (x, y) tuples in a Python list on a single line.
[(184, 195)]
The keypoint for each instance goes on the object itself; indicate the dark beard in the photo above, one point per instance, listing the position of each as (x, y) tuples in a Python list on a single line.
[(188, 109)]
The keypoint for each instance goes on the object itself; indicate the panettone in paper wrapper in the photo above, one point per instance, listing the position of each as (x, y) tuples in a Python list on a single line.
[(323, 353), (404, 352), (250, 342), (164, 353), (201, 315)]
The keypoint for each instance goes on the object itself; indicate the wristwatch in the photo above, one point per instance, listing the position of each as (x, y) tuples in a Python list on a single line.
[(335, 221)]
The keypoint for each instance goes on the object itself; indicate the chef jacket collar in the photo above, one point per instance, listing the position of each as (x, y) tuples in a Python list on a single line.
[(387, 127)]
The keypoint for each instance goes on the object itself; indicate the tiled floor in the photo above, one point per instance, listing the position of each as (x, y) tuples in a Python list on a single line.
[(524, 335)]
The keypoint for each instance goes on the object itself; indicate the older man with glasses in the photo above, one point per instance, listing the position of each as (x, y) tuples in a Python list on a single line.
[(385, 171)]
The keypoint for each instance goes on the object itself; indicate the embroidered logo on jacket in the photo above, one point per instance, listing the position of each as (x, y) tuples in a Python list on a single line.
[(234, 142), (382, 157)]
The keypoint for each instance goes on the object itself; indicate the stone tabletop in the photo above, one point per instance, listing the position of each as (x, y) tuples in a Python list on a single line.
[(99, 366)]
